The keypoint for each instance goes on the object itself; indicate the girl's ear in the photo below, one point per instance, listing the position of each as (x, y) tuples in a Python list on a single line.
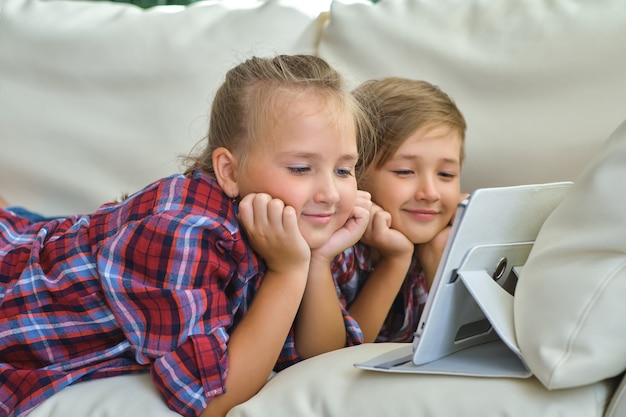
[(225, 168)]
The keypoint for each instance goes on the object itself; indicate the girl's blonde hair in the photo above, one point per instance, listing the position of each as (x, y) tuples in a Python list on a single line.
[(247, 100), (397, 108)]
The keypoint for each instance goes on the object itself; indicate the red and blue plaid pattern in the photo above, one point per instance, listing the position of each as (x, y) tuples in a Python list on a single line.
[(152, 284), (351, 270)]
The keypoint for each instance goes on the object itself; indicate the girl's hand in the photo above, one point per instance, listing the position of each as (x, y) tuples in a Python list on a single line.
[(272, 229), (351, 231), (380, 236)]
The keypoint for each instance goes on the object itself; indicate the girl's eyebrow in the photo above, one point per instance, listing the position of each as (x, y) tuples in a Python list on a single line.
[(299, 154), (349, 157)]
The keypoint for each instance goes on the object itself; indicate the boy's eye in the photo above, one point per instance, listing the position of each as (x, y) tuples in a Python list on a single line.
[(344, 172), (402, 172), (298, 170), (447, 175)]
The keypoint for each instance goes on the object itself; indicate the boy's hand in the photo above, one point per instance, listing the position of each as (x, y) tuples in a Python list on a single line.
[(380, 236), (351, 231), (429, 253), (272, 229)]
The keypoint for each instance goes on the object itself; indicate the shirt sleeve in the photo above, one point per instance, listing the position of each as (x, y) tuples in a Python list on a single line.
[(167, 281), (345, 278), (354, 335), (193, 374)]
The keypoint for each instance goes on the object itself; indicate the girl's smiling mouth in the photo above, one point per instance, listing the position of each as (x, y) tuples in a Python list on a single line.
[(318, 218)]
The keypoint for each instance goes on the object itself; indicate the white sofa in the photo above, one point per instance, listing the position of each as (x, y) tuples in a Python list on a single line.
[(100, 98)]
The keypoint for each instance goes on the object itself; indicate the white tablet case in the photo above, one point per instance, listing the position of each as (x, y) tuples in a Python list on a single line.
[(466, 327)]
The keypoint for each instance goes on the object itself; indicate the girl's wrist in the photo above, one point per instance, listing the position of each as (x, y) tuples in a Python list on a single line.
[(295, 268), (320, 261)]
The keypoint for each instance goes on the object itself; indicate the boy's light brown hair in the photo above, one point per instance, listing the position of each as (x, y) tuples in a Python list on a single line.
[(397, 108)]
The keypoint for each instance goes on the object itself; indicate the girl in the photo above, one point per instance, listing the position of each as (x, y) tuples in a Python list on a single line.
[(413, 175), (197, 278)]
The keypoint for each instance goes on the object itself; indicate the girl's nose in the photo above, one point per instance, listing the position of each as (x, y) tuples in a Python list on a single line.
[(327, 191)]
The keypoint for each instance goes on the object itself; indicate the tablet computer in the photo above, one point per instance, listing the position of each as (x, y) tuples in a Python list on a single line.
[(466, 326)]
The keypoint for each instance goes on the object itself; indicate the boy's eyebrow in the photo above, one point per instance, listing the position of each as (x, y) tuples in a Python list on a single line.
[(451, 160), (413, 157)]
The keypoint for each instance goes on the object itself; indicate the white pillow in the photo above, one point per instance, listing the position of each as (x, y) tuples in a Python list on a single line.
[(570, 302), (99, 98), (329, 385), (541, 83)]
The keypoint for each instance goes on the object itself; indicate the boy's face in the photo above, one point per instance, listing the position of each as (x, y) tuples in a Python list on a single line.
[(420, 185), (307, 158)]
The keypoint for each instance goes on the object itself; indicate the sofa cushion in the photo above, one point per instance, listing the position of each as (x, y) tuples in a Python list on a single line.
[(101, 98), (569, 305), (329, 385), (533, 78), (119, 396)]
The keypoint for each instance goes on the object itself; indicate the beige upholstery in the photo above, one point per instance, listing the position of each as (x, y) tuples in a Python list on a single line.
[(569, 303), (329, 385)]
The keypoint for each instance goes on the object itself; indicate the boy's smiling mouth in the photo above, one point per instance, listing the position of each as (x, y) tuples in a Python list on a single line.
[(422, 214)]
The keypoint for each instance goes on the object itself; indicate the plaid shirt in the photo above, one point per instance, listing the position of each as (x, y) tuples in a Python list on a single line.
[(351, 270), (155, 283)]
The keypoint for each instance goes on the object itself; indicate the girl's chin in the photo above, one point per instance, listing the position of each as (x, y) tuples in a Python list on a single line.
[(316, 242)]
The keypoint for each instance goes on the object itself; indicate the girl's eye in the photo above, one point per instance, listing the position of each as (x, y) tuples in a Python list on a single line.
[(298, 170), (344, 173)]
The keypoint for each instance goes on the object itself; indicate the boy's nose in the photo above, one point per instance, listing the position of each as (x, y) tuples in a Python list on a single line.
[(427, 189)]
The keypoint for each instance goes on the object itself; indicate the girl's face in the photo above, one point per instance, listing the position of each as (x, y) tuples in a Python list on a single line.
[(306, 158), (420, 185)]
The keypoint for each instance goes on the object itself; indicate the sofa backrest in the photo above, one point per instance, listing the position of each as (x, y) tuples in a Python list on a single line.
[(100, 98), (541, 83)]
